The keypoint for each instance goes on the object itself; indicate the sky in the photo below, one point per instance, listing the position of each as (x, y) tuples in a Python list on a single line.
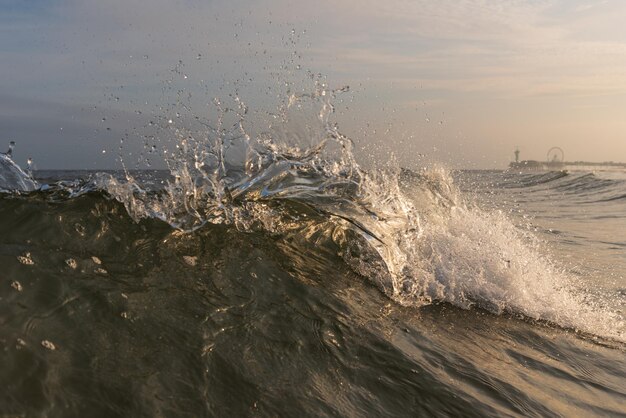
[(457, 83)]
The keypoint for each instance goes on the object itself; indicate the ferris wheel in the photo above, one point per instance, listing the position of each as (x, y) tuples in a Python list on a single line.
[(555, 155)]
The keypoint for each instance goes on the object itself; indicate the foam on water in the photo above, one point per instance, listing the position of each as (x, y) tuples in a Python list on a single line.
[(468, 256)]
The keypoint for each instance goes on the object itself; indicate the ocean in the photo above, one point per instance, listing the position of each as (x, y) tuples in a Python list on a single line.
[(298, 283)]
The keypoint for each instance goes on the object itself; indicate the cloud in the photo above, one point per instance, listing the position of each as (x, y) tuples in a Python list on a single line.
[(470, 44)]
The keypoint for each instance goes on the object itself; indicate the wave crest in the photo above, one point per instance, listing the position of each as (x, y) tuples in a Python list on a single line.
[(411, 234)]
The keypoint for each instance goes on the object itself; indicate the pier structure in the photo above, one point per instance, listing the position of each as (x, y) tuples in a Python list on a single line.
[(555, 161)]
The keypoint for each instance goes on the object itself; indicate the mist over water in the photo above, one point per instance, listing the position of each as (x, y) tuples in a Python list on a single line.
[(267, 272)]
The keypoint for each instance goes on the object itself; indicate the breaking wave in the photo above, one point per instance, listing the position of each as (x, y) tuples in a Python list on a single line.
[(412, 234)]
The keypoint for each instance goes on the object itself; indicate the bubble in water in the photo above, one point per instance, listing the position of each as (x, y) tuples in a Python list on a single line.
[(26, 259), (48, 344), (190, 260), (79, 228)]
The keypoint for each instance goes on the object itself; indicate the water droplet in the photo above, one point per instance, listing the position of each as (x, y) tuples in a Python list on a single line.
[(170, 121)]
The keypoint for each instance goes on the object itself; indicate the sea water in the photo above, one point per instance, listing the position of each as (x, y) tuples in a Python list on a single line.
[(262, 275)]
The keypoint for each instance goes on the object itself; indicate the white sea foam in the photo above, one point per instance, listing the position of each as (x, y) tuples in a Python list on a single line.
[(467, 256)]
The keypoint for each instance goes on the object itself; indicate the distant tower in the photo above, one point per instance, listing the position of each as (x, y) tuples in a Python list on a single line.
[(516, 155)]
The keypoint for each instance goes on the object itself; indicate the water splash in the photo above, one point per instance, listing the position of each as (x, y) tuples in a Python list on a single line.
[(411, 234), (12, 177)]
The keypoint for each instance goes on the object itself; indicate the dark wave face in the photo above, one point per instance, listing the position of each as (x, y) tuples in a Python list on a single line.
[(265, 277)]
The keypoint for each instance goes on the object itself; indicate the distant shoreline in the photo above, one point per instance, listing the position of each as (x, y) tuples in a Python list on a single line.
[(565, 165)]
